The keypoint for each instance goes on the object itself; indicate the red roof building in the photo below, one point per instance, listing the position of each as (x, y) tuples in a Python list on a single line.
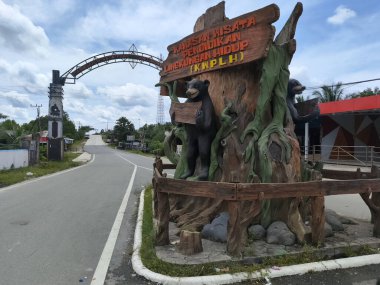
[(351, 127)]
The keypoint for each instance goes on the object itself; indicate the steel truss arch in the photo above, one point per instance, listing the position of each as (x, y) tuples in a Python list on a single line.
[(133, 57)]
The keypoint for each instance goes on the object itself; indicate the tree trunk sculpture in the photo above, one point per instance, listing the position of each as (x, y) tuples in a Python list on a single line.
[(255, 141)]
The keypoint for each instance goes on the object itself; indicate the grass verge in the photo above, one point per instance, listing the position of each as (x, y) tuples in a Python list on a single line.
[(152, 262), (16, 175)]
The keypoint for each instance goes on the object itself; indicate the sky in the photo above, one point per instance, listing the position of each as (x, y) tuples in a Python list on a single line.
[(337, 41)]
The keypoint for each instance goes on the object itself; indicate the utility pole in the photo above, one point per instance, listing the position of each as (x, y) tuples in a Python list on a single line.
[(38, 115)]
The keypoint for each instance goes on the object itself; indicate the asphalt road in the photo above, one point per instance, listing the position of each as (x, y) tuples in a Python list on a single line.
[(53, 230)]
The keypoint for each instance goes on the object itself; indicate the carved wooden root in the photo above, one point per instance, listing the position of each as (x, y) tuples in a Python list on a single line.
[(374, 205), (241, 215), (204, 217), (185, 205), (190, 242), (295, 222), (202, 205)]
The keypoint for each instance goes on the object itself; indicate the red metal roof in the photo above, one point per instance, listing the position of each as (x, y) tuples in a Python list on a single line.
[(351, 105)]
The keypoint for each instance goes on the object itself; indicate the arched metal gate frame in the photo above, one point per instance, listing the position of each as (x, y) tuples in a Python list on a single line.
[(55, 127)]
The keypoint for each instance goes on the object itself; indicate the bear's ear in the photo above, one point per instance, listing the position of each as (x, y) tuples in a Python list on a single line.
[(206, 82)]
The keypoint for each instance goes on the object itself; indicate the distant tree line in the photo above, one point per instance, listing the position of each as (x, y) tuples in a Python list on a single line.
[(335, 92), (11, 132), (151, 136)]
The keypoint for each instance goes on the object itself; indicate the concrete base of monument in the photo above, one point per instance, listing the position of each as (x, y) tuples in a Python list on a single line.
[(353, 238), (342, 244)]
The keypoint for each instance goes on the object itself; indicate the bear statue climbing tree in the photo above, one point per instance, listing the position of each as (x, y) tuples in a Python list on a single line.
[(255, 140)]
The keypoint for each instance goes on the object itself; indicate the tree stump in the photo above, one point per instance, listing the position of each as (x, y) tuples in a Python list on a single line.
[(190, 242)]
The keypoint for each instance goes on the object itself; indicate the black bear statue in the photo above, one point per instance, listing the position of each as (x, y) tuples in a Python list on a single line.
[(295, 88), (200, 134)]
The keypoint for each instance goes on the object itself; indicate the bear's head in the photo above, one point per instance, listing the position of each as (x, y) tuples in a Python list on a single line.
[(294, 88), (197, 88)]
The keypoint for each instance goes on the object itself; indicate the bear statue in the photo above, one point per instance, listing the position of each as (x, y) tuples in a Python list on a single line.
[(295, 88), (201, 134)]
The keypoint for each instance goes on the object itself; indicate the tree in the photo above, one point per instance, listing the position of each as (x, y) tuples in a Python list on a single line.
[(2, 116), (123, 128), (154, 136), (69, 129), (330, 93), (82, 131), (33, 125), (365, 93), (300, 99), (10, 132)]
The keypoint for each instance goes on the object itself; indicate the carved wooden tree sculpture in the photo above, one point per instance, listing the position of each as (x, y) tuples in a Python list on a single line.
[(255, 141)]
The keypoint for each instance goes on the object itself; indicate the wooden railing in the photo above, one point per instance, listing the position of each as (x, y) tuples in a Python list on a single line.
[(235, 193)]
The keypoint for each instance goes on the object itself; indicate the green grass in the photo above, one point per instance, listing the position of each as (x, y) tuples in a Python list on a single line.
[(151, 261), (12, 176)]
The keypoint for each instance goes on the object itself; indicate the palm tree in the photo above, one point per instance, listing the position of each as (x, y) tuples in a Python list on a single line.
[(330, 93)]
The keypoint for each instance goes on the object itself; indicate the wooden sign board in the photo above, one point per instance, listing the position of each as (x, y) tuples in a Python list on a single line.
[(185, 112), (231, 43), (306, 107)]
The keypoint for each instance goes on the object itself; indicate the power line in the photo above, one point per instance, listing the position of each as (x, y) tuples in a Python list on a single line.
[(343, 84)]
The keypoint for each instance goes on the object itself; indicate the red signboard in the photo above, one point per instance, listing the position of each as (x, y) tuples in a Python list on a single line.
[(233, 42)]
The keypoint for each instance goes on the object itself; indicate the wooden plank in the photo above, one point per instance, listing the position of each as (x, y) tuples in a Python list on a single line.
[(253, 191), (185, 112), (216, 190), (346, 175), (306, 107), (351, 186), (233, 42), (169, 166), (318, 220)]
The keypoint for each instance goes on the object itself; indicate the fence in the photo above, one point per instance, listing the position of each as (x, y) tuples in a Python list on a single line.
[(353, 155), (235, 193), (14, 158)]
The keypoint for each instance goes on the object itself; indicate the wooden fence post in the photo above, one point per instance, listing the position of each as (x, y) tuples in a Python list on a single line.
[(318, 220), (162, 236), (156, 165), (234, 231)]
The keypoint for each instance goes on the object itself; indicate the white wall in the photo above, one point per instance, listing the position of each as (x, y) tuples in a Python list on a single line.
[(16, 157)]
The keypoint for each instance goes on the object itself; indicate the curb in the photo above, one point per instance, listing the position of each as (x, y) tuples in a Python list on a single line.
[(84, 157), (298, 269)]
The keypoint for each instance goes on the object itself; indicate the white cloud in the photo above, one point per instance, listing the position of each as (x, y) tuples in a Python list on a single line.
[(16, 99), (77, 91), (130, 95), (18, 32), (342, 14), (46, 11), (20, 115)]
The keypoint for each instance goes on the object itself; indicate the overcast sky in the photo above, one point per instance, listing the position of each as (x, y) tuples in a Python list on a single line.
[(336, 41)]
